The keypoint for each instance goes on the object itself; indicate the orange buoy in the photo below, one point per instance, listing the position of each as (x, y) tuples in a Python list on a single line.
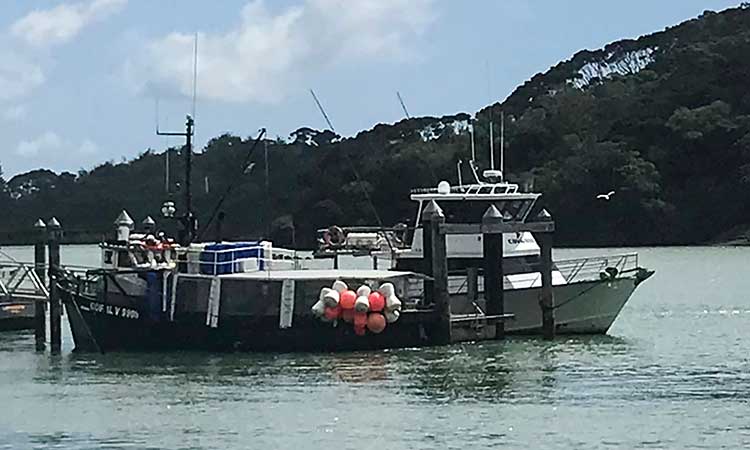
[(359, 331), (376, 323), (347, 315), (377, 301), (360, 319), (347, 299), (332, 313)]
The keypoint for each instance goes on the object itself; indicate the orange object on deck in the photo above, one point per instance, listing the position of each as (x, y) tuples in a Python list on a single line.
[(376, 323), (377, 301), (360, 319), (347, 315), (347, 299), (332, 313)]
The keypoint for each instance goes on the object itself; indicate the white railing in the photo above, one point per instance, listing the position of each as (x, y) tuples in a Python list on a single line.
[(581, 269), (19, 279)]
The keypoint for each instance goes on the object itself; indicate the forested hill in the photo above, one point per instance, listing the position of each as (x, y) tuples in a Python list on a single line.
[(663, 120)]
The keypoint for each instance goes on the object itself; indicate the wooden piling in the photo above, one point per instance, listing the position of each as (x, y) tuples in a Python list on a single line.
[(40, 266), (436, 259), (547, 301), (493, 268), (472, 284), (54, 234)]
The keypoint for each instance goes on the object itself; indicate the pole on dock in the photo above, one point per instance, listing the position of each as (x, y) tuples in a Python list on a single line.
[(493, 268), (54, 234), (472, 284), (436, 260), (40, 266), (547, 300)]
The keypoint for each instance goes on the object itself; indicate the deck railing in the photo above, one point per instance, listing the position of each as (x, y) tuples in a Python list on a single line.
[(582, 269), (19, 280)]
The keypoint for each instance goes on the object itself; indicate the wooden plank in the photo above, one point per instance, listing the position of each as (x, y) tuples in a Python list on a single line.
[(497, 228)]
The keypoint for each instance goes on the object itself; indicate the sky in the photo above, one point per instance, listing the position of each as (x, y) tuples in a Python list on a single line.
[(80, 80)]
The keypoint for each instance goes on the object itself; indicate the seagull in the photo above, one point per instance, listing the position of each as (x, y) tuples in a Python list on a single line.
[(606, 196)]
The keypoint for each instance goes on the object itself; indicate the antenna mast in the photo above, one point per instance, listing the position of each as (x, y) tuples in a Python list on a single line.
[(473, 149), (403, 106), (502, 140), (188, 219)]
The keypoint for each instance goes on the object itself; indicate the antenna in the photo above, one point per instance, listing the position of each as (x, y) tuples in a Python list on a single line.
[(195, 72), (473, 149), (492, 147), (502, 140), (403, 106), (322, 111)]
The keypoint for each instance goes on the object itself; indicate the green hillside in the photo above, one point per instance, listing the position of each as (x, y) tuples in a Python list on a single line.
[(663, 120)]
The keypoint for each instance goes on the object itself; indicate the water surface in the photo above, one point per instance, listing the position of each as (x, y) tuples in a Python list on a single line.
[(673, 373)]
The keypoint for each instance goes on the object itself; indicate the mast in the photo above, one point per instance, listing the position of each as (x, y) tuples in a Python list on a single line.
[(502, 140), (492, 147), (188, 219), (473, 150)]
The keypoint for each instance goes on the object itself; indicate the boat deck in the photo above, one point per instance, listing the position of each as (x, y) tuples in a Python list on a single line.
[(313, 274)]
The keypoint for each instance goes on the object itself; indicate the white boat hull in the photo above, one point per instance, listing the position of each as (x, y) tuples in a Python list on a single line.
[(587, 307)]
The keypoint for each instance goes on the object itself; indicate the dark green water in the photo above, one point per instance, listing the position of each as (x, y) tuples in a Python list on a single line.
[(674, 373)]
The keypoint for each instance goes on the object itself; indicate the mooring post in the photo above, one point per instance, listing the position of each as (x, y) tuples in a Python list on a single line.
[(54, 234), (40, 266), (472, 284), (547, 301), (493, 269), (433, 218)]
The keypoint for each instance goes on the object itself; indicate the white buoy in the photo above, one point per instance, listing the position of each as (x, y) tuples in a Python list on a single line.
[(364, 291), (362, 304), (392, 303), (339, 286), (392, 316), (319, 309), (387, 289), (330, 297)]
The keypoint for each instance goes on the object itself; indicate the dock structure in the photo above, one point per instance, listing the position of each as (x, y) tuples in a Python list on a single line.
[(54, 236), (487, 323), (40, 267)]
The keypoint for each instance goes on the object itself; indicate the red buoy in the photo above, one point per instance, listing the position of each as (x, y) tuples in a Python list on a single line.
[(360, 319), (332, 313), (359, 331), (347, 299), (376, 323), (377, 301), (347, 315)]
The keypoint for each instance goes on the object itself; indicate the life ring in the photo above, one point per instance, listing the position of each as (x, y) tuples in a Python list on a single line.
[(334, 236)]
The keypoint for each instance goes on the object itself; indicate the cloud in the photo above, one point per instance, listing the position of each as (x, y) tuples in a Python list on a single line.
[(18, 75), (48, 27), (88, 147), (260, 59), (48, 141), (14, 113)]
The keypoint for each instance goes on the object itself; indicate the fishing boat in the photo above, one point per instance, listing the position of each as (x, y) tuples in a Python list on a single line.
[(155, 293), (590, 292)]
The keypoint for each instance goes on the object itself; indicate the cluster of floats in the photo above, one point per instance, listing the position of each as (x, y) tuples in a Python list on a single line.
[(364, 288)]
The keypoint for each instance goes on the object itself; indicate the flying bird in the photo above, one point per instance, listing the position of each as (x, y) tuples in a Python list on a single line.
[(606, 196)]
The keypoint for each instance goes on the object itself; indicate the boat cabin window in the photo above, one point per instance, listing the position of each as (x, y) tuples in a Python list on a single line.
[(485, 190)]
